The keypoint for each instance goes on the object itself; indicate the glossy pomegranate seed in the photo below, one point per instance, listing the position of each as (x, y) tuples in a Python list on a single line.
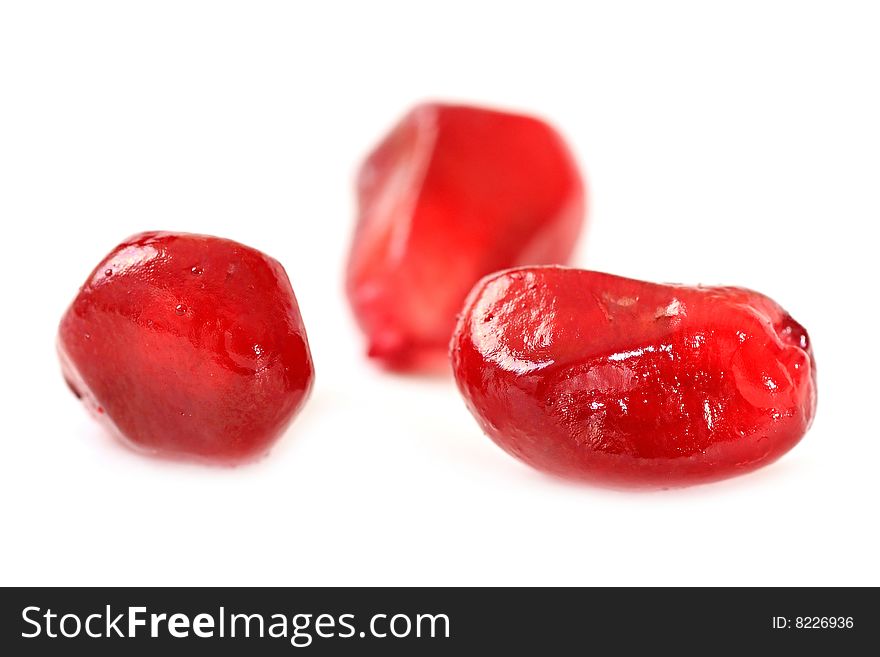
[(450, 195), (627, 383), (189, 346)]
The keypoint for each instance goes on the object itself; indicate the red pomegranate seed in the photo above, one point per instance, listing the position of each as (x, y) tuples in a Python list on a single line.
[(188, 346), (450, 195), (628, 383)]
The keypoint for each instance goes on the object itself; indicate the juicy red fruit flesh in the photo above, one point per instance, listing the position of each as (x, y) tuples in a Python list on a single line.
[(631, 384), (188, 346), (450, 195)]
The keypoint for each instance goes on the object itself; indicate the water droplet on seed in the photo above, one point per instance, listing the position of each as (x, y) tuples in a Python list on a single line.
[(180, 309), (197, 271)]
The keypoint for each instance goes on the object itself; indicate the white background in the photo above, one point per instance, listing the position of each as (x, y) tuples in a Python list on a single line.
[(731, 143)]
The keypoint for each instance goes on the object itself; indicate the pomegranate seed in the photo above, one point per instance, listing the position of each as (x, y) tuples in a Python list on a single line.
[(628, 383), (188, 346), (450, 195)]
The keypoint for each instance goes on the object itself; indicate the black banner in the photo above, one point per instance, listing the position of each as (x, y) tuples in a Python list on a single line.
[(419, 621)]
